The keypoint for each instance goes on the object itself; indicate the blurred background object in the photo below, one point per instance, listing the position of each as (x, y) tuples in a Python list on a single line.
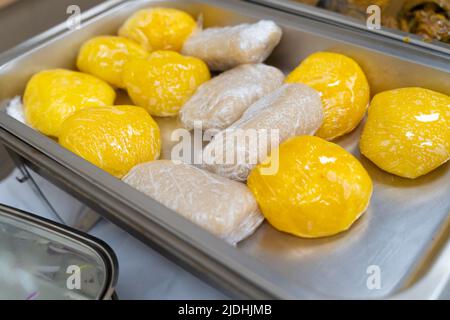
[(4, 3), (22, 19)]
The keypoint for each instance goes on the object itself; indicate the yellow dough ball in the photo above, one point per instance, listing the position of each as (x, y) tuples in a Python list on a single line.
[(407, 132), (113, 138), (318, 190), (105, 56), (343, 87), (53, 95), (164, 82), (159, 28)]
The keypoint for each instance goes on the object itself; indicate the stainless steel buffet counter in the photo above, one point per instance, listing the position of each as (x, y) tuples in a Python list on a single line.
[(404, 235)]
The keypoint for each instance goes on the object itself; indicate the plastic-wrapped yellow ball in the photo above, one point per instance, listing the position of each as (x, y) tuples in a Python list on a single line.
[(53, 95), (318, 190), (164, 82), (113, 138), (159, 28), (105, 56), (407, 132), (343, 87)]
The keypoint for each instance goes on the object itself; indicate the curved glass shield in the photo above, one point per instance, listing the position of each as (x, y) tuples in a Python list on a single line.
[(40, 260)]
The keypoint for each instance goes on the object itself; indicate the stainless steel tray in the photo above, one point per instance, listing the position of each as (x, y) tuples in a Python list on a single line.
[(331, 17), (404, 235)]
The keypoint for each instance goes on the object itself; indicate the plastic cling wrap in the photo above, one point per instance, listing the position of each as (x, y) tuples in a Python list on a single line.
[(221, 101), (225, 208), (293, 109), (228, 47)]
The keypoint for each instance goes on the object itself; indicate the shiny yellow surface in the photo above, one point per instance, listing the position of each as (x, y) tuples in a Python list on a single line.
[(105, 56), (407, 132), (343, 88), (113, 138), (159, 28), (53, 95), (164, 82), (319, 189)]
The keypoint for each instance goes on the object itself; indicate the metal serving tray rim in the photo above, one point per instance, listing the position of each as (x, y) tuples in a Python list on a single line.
[(339, 19), (168, 231)]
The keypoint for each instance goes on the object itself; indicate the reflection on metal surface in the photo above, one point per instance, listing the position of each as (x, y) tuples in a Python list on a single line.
[(392, 15), (6, 164), (4, 3)]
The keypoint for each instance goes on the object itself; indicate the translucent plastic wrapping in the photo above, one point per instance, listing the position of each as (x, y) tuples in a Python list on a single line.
[(225, 208), (343, 88), (114, 139), (159, 28), (221, 101), (293, 109), (228, 47)]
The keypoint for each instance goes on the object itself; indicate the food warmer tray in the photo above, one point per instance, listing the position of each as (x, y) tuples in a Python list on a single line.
[(344, 21), (404, 235)]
